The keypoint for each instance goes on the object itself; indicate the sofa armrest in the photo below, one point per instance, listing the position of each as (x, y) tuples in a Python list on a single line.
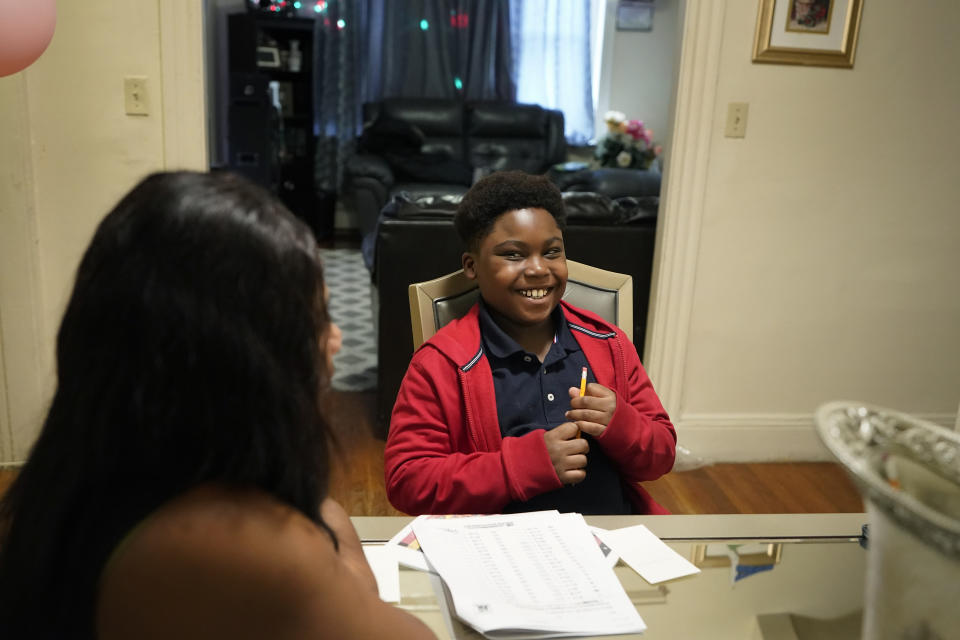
[(612, 182), (367, 165), (556, 137)]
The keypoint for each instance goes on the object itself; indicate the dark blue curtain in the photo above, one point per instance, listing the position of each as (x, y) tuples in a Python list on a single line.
[(341, 34), (552, 56), (372, 49)]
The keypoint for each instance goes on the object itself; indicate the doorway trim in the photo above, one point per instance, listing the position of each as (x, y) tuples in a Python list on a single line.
[(184, 109), (685, 182)]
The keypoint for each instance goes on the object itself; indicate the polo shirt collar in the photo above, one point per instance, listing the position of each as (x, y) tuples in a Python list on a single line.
[(500, 345)]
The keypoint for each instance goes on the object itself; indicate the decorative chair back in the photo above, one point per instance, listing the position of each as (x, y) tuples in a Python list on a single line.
[(436, 302)]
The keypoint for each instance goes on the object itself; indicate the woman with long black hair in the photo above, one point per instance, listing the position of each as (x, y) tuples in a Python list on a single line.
[(178, 485)]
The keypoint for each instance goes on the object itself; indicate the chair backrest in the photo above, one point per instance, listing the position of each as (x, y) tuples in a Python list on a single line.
[(436, 302)]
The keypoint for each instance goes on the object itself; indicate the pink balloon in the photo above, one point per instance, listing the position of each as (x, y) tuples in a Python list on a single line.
[(26, 27)]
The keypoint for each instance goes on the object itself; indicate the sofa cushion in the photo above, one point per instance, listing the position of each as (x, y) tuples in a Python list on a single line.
[(502, 120), (439, 121), (506, 136), (430, 167), (367, 165), (411, 156), (426, 197), (390, 134), (504, 154), (591, 208), (433, 116), (612, 182), (640, 210)]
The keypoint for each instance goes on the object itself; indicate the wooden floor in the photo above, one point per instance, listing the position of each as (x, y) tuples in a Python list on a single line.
[(809, 487)]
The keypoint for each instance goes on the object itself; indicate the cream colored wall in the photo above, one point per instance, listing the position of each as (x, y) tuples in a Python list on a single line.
[(817, 258), (67, 153)]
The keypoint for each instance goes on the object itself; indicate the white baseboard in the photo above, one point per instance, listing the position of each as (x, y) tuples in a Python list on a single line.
[(763, 437)]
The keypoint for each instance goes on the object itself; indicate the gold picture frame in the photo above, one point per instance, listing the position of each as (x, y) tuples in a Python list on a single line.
[(755, 554), (820, 33)]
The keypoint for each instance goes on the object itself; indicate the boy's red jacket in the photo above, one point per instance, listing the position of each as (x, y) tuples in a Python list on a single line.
[(444, 451)]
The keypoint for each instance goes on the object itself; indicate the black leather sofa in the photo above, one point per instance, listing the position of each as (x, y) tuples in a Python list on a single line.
[(432, 146), (416, 241)]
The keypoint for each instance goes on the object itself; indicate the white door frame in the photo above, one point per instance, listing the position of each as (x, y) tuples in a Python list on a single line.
[(683, 202)]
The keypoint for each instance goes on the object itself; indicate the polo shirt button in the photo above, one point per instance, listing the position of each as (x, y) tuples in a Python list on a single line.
[(550, 397), (526, 358)]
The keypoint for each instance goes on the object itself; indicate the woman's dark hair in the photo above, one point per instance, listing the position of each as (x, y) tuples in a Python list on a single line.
[(189, 353), (500, 192)]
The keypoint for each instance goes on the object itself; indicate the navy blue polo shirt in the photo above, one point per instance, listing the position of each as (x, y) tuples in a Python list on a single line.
[(533, 395)]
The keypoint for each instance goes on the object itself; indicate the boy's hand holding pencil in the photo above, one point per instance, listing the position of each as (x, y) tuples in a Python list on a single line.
[(591, 406)]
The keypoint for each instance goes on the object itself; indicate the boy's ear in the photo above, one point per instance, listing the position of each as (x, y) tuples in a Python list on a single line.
[(469, 266)]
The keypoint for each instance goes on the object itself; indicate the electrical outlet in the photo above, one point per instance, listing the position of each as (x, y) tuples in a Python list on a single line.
[(135, 96), (736, 120)]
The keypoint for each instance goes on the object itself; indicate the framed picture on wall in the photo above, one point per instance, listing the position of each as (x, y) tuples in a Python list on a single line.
[(820, 33), (634, 15)]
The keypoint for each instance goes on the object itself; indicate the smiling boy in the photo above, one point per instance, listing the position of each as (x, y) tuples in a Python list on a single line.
[(487, 417)]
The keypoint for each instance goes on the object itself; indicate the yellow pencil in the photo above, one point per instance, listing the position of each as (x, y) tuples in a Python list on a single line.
[(583, 389)]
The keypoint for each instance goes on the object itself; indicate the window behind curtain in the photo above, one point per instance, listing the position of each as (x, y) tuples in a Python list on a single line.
[(551, 40)]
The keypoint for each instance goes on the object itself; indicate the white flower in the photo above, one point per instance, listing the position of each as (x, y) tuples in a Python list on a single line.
[(614, 117), (624, 159)]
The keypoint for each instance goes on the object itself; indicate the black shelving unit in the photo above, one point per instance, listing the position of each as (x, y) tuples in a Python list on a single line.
[(273, 146)]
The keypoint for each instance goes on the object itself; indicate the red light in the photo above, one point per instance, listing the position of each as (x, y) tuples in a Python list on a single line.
[(459, 20)]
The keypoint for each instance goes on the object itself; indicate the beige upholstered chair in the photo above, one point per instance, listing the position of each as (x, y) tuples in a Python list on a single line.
[(436, 302)]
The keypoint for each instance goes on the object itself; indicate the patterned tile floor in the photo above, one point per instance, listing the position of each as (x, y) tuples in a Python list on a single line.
[(355, 367)]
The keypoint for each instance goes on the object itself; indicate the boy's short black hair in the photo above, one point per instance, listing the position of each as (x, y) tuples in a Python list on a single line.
[(500, 192)]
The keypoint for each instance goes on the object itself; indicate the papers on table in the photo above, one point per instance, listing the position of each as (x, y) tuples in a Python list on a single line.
[(647, 554), (409, 554), (383, 562), (530, 575), (407, 547)]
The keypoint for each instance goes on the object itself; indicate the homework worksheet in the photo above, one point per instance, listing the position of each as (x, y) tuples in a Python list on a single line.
[(528, 575), (409, 554)]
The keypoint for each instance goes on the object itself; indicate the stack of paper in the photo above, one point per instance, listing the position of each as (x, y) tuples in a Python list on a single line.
[(529, 575)]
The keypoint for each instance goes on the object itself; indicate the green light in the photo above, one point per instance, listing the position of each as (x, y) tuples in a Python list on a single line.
[(296, 5), (424, 25), (458, 83), (341, 23)]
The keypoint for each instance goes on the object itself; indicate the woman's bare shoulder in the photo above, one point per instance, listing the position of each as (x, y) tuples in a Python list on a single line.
[(219, 524), (238, 562)]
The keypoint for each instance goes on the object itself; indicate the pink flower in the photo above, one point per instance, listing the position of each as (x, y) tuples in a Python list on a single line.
[(635, 129)]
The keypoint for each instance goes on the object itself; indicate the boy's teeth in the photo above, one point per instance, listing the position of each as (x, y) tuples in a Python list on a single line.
[(534, 293)]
